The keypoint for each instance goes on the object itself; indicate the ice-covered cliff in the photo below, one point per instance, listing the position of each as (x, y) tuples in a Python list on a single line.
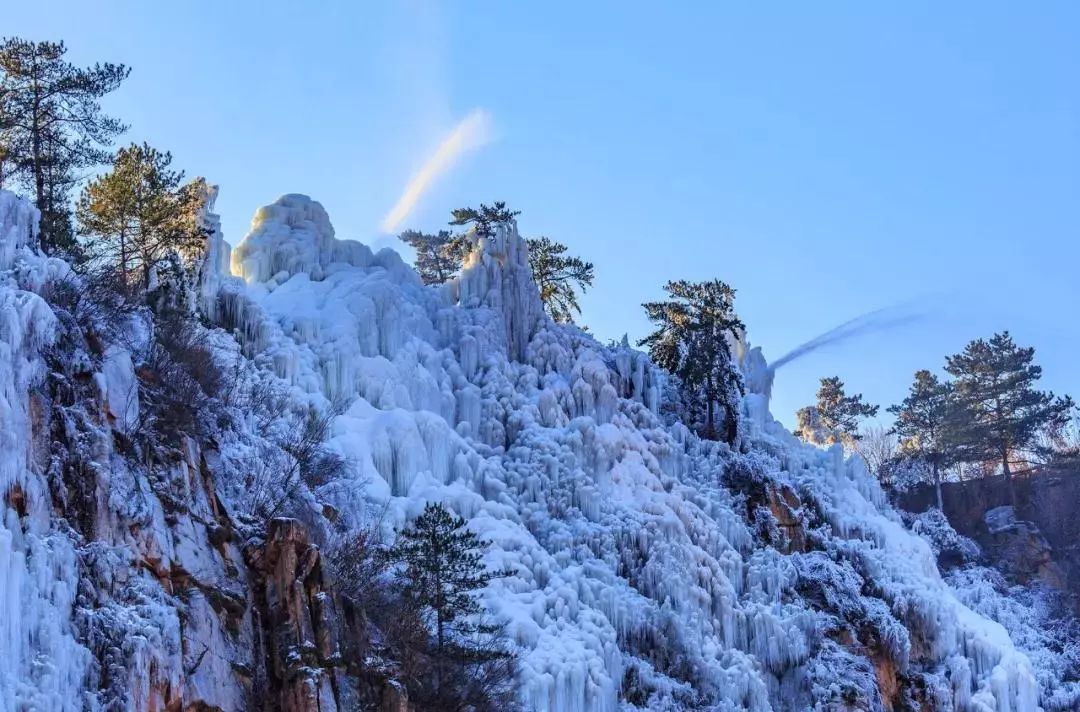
[(650, 569)]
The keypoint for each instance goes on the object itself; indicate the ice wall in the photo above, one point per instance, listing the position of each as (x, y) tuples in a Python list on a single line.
[(496, 275), (41, 664), (215, 263), (290, 236)]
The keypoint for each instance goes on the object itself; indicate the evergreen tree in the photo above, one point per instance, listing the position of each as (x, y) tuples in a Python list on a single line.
[(438, 257), (926, 423), (1059, 441), (1002, 411), (473, 668), (691, 342), (835, 412), (556, 274), (51, 126), (444, 570), (485, 218), (138, 213)]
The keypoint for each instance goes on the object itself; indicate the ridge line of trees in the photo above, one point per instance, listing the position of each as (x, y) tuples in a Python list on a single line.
[(988, 416)]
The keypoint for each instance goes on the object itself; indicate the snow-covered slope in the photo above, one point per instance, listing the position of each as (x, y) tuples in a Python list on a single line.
[(650, 569)]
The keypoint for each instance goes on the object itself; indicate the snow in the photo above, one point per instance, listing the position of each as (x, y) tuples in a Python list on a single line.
[(646, 573)]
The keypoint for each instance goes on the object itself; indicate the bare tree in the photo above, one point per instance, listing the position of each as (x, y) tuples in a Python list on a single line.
[(876, 445), (292, 452)]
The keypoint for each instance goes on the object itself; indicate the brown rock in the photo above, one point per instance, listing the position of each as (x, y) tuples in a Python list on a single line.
[(784, 504)]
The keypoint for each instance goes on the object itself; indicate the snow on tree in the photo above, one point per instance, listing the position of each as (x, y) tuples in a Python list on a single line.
[(52, 126), (692, 342), (559, 277), (876, 445)]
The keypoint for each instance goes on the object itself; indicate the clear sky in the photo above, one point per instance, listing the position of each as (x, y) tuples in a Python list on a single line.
[(825, 159)]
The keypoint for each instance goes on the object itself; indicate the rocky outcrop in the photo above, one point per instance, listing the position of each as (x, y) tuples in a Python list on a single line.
[(1034, 541), (1020, 549), (175, 611), (785, 507), (310, 647)]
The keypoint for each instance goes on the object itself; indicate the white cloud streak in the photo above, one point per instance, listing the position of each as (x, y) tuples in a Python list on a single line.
[(472, 132)]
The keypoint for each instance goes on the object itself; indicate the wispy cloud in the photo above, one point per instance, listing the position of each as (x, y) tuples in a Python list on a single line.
[(472, 132), (877, 320)]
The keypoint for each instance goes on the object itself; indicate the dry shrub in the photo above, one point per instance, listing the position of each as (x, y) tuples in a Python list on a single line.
[(179, 378)]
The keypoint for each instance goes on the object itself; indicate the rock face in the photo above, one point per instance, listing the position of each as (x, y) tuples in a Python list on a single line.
[(1038, 539), (308, 641), (123, 582), (1020, 549)]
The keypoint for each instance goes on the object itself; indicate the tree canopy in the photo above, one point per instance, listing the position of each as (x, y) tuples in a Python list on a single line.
[(444, 571), (484, 218), (1003, 412), (926, 424), (835, 417), (52, 126), (559, 277), (438, 257), (691, 342), (138, 212)]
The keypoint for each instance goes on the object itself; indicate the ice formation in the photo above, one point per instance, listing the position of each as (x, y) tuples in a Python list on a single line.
[(621, 530), (42, 666), (650, 569)]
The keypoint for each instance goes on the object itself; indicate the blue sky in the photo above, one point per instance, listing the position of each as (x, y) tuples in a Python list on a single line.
[(825, 159)]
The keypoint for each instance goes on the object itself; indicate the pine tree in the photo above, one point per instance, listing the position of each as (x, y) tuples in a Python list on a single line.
[(1002, 411), (138, 213), (51, 126), (691, 342), (438, 257), (444, 570), (837, 413), (485, 218), (926, 423), (1059, 441), (556, 274)]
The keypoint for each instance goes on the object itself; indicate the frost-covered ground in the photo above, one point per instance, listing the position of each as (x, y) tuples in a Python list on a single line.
[(650, 569)]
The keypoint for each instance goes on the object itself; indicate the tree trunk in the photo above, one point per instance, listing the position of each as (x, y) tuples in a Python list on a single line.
[(710, 418), (35, 147), (1008, 476), (123, 258), (937, 488)]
